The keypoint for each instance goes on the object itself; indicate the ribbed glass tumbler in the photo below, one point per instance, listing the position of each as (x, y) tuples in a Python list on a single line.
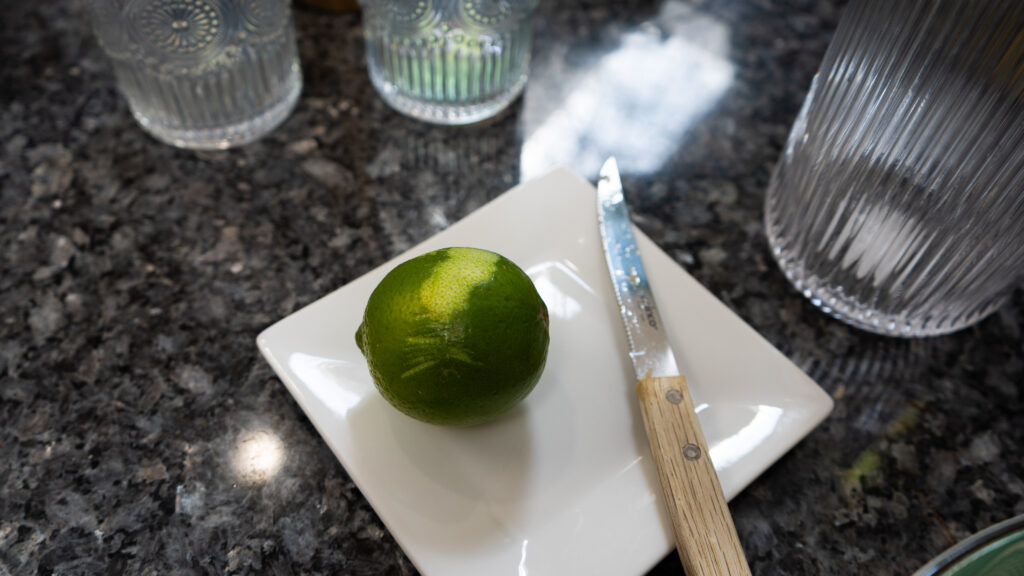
[(202, 73), (898, 202)]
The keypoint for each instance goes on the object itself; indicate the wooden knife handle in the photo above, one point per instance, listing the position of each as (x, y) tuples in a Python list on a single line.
[(705, 535)]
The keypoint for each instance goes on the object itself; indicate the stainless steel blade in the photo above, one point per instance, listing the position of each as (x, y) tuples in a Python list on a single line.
[(648, 345)]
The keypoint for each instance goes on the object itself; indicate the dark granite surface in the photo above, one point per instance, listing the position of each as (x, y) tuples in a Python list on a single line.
[(135, 277)]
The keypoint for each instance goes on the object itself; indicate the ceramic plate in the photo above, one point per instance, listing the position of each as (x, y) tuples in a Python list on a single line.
[(564, 484)]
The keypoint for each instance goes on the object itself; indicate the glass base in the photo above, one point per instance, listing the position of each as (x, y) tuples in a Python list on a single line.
[(224, 137), (445, 113), (833, 301)]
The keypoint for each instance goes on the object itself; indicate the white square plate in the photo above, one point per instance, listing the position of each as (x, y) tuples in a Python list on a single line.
[(564, 484)]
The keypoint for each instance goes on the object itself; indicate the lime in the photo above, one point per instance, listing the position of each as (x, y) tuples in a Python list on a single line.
[(455, 337)]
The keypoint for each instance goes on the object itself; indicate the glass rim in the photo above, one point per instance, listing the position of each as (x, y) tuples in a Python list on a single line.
[(969, 545)]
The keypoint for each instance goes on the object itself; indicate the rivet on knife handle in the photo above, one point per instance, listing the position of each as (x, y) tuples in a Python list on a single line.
[(704, 532)]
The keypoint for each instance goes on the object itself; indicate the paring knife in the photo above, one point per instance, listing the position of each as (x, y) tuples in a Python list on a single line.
[(704, 532)]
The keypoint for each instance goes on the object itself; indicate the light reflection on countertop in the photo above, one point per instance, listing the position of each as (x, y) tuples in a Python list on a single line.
[(258, 455), (635, 103)]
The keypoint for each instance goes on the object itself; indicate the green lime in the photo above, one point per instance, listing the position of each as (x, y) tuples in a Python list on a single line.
[(455, 337)]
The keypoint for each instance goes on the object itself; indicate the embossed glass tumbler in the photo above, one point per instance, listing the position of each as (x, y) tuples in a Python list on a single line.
[(898, 202), (202, 74), (448, 61)]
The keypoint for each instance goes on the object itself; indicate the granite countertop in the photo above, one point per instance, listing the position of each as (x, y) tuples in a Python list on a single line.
[(136, 276)]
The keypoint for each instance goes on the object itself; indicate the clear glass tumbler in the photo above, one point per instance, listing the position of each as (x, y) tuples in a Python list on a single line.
[(448, 61), (202, 74), (898, 202)]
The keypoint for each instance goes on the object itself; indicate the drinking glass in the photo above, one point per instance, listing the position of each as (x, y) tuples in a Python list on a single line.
[(448, 61), (898, 202), (202, 74)]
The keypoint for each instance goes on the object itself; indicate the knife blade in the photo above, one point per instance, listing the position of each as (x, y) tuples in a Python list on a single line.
[(704, 532)]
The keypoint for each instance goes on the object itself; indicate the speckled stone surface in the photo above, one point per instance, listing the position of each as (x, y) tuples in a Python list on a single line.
[(135, 277)]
